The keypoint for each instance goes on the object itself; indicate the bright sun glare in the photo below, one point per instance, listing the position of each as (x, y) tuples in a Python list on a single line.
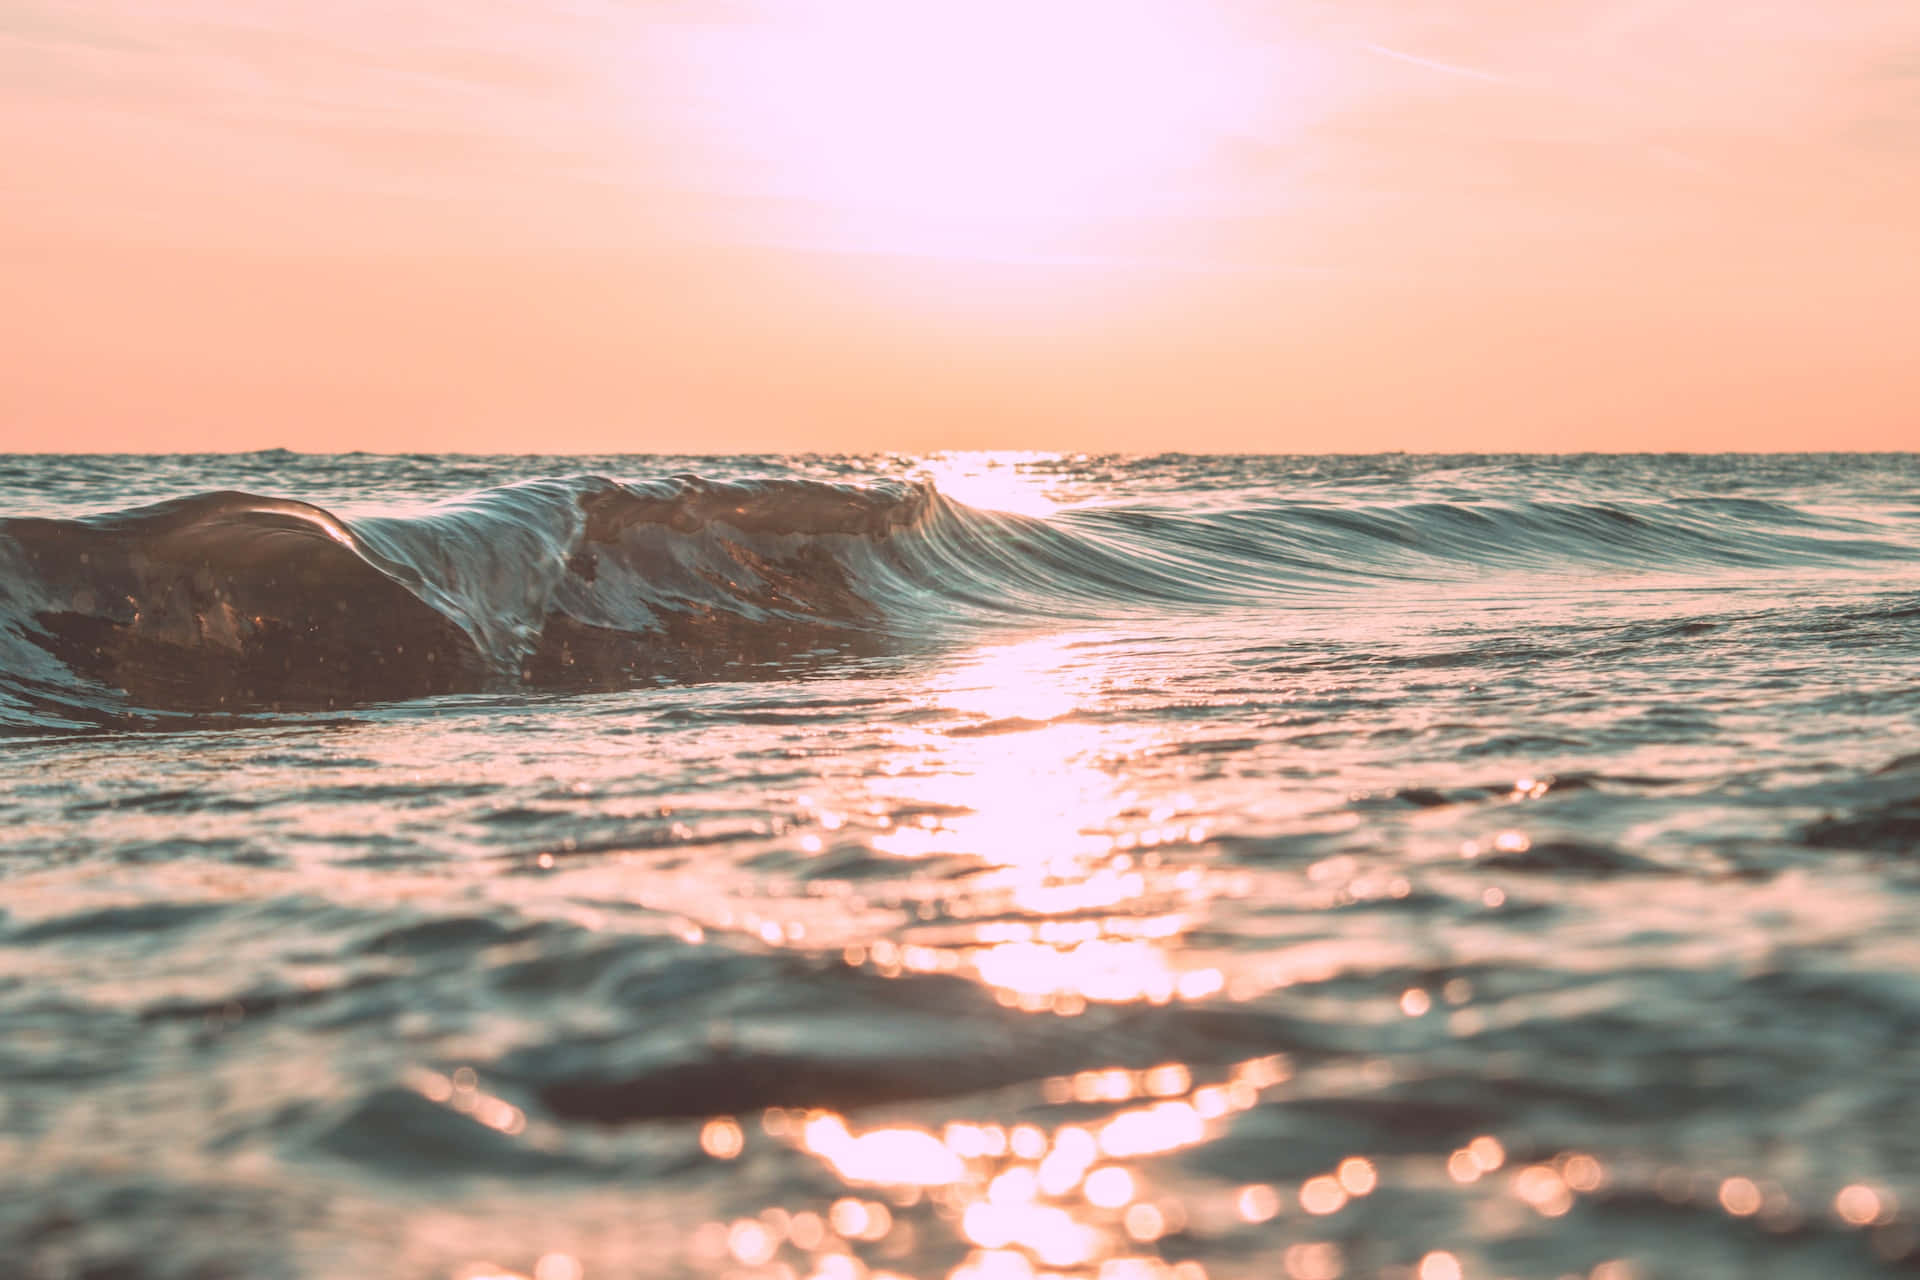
[(982, 128), (990, 481)]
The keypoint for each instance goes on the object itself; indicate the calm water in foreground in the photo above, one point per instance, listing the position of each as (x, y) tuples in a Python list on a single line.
[(959, 868)]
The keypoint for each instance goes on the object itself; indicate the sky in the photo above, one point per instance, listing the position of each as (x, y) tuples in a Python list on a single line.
[(907, 225)]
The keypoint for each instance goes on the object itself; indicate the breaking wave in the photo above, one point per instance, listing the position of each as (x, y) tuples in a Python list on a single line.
[(228, 602)]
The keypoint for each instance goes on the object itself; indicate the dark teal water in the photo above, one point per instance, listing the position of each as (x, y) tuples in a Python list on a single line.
[(964, 867)]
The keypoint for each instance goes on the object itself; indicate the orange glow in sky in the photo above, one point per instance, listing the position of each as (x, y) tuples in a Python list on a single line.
[(1133, 225)]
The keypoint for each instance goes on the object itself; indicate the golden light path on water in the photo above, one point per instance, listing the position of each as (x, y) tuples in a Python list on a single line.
[(1082, 892), (1081, 905), (1029, 1200), (1081, 911)]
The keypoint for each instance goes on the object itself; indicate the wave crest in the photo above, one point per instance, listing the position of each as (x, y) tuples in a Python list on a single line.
[(227, 601)]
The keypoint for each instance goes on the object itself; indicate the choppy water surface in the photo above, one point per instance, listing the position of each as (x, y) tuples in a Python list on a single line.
[(959, 868)]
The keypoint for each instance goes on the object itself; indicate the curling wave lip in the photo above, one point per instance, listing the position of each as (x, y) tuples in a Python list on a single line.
[(228, 602)]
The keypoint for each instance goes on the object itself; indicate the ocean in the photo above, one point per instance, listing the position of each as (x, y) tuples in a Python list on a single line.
[(959, 868)]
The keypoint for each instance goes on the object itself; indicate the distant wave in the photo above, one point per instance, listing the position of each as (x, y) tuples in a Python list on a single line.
[(229, 602)]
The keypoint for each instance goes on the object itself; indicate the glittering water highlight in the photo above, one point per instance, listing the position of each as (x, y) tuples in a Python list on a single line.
[(968, 868)]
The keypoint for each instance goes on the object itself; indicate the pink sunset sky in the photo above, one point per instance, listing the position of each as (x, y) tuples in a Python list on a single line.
[(1113, 225)]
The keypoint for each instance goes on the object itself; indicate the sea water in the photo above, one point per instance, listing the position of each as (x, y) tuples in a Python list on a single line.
[(967, 867)]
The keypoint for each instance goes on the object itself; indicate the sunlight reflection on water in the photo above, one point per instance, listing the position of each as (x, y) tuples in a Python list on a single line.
[(1082, 908), (1074, 1198), (1076, 894)]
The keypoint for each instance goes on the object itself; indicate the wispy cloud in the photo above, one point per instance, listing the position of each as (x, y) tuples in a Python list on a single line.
[(1434, 64)]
